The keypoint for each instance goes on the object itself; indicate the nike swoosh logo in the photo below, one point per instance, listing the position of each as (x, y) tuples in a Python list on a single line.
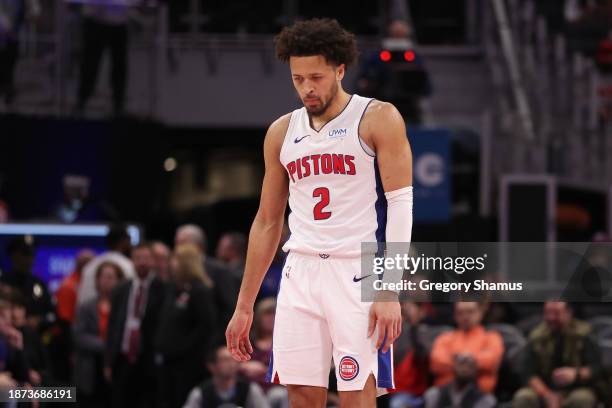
[(298, 140), (356, 279)]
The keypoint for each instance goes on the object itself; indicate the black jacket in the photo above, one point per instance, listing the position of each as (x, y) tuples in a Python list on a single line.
[(188, 323), (227, 285), (148, 326)]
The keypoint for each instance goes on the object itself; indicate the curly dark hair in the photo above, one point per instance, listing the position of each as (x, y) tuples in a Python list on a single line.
[(318, 36)]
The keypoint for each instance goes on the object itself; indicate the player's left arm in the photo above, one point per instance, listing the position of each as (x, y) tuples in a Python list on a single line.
[(384, 130)]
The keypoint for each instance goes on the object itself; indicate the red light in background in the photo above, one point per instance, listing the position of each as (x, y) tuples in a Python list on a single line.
[(385, 56), (409, 56)]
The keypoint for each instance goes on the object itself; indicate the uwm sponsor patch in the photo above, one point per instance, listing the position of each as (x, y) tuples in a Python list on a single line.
[(337, 133)]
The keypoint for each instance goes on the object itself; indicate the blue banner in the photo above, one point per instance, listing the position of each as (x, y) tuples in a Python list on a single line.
[(431, 174)]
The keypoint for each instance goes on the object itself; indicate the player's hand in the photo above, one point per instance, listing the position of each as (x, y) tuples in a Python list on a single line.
[(386, 316), (237, 335)]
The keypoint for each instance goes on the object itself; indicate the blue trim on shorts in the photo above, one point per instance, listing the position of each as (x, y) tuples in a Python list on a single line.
[(385, 377)]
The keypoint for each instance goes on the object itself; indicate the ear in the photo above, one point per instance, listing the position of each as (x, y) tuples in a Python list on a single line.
[(340, 70)]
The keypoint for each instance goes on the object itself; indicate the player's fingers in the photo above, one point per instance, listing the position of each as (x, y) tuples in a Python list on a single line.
[(382, 329), (389, 337), (371, 324), (249, 347), (232, 343), (244, 355)]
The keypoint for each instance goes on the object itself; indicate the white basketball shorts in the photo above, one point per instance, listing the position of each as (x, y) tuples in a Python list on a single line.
[(320, 316)]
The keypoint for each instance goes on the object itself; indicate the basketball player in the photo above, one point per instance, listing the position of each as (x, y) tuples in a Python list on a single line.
[(344, 164)]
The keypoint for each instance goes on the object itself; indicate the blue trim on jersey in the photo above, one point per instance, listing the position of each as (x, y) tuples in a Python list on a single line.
[(271, 363), (384, 378), (381, 211)]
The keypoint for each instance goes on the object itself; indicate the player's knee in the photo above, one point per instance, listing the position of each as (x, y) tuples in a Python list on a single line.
[(301, 396), (360, 398)]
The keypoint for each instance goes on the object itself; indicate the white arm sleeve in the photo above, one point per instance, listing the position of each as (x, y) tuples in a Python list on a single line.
[(399, 215), (398, 231)]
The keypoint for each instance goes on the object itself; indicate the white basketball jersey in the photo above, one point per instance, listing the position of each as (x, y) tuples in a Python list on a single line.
[(335, 194)]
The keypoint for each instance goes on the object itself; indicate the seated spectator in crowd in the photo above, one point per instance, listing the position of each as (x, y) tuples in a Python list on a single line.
[(470, 341), (66, 294), (562, 362), (463, 391), (162, 256), (231, 249), (257, 367), (226, 284), (33, 347), (225, 388), (119, 245), (136, 307), (38, 300), (411, 372), (187, 324), (90, 329)]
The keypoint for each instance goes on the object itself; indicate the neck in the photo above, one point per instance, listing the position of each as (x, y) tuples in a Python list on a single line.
[(336, 106)]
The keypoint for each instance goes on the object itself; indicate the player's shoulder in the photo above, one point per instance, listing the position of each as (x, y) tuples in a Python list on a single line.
[(378, 110), (277, 131), (380, 117)]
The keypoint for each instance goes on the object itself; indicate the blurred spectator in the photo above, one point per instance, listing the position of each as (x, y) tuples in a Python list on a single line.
[(396, 73), (231, 249), (21, 251), (411, 373), (13, 365), (225, 284), (119, 245), (225, 388), (562, 362), (271, 281), (4, 212), (463, 391), (66, 294), (136, 306), (470, 341), (134, 318), (162, 255), (33, 347), (105, 26), (188, 322), (12, 15), (90, 331)]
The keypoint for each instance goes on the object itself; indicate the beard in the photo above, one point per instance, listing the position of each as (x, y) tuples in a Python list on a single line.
[(320, 110)]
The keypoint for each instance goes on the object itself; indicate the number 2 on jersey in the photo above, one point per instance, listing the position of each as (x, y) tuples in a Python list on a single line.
[(323, 193)]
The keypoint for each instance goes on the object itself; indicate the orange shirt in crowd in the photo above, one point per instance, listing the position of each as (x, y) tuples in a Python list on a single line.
[(66, 297), (487, 347)]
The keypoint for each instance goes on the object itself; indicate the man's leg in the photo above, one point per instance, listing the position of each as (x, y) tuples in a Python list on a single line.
[(526, 398), (580, 398), (305, 396), (365, 398)]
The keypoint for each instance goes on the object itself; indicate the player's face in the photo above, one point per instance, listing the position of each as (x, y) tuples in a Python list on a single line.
[(316, 82)]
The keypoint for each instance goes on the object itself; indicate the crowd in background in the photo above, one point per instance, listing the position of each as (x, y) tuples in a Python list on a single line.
[(137, 326), (143, 326)]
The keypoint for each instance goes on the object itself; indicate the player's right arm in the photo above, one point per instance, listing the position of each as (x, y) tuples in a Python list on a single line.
[(263, 240)]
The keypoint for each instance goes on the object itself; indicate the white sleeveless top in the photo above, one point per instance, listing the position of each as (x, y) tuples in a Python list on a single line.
[(336, 198)]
